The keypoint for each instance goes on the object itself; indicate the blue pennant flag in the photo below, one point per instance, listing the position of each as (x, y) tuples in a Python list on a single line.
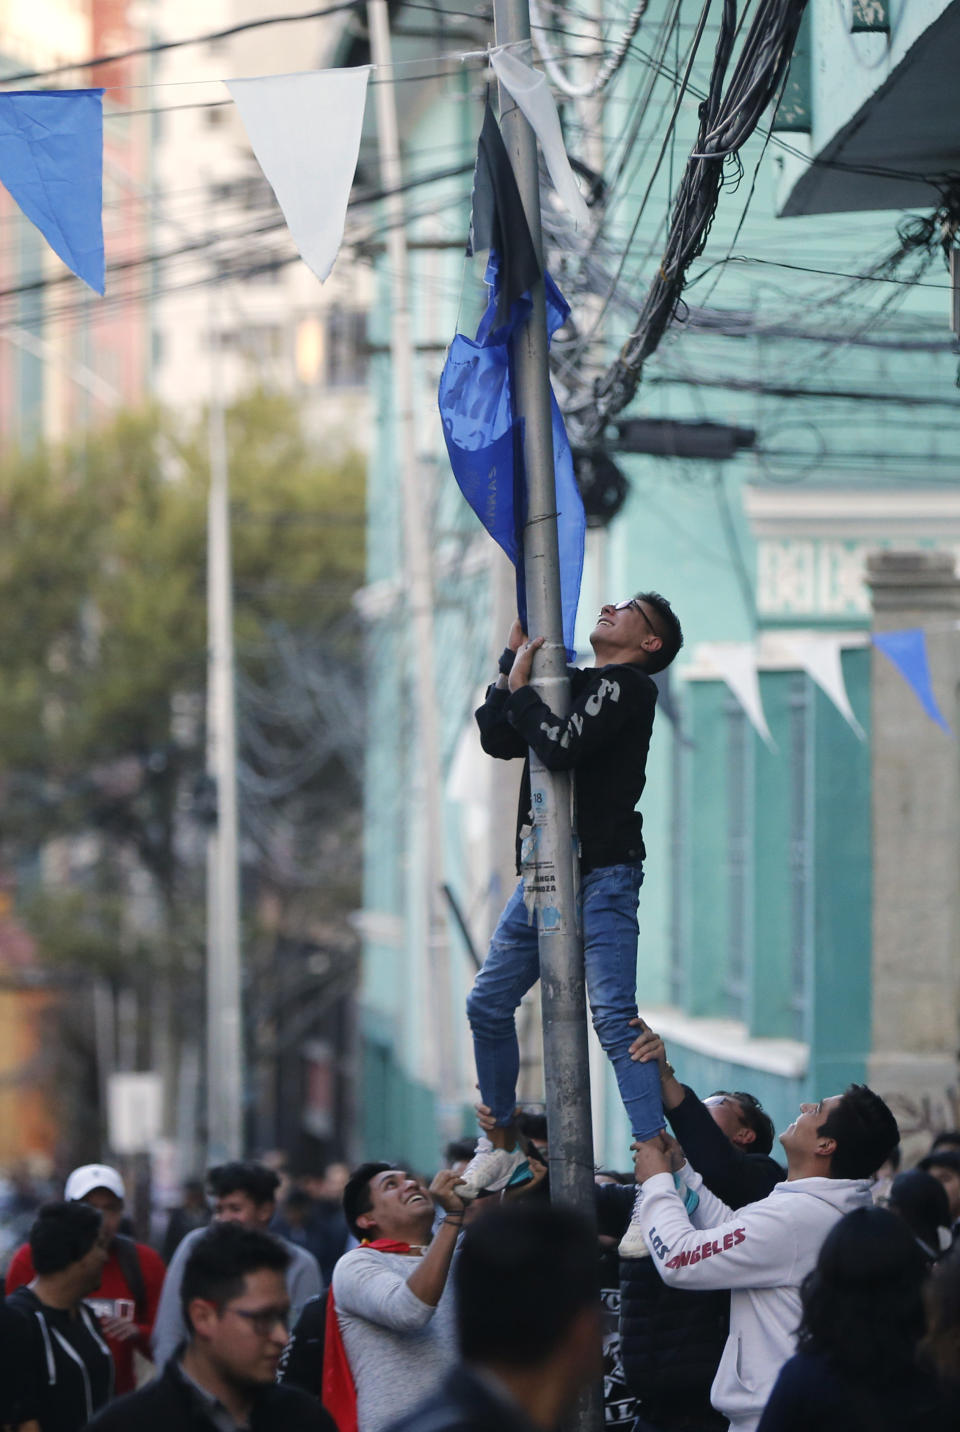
[(908, 652), (483, 437), (51, 164)]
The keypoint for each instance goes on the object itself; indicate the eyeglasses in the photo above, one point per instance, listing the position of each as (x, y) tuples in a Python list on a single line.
[(264, 1320), (632, 602)]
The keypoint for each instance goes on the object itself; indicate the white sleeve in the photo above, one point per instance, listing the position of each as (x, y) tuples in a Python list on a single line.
[(710, 1210), (368, 1286), (753, 1248)]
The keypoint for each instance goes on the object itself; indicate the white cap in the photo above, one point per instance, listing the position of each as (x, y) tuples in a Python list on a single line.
[(85, 1179)]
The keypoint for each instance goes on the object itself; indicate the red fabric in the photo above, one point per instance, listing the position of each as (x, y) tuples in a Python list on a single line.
[(338, 1389), (113, 1299)]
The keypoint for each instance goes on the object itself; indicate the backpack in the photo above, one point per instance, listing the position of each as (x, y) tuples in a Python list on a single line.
[(129, 1259)]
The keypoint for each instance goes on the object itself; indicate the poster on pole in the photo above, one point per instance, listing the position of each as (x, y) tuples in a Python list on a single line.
[(134, 1112)]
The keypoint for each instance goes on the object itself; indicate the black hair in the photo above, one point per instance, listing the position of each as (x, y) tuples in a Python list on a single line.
[(941, 1158), (220, 1260), (863, 1302), (63, 1233), (755, 1116), (255, 1180), (524, 1272), (356, 1194), (533, 1126), (458, 1150), (865, 1132), (668, 629), (948, 1139), (921, 1201)]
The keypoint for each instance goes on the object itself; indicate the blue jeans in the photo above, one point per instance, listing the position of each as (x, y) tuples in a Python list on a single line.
[(609, 899)]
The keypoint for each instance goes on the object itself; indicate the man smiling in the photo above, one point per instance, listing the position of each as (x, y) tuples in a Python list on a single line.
[(393, 1301), (604, 740), (762, 1252)]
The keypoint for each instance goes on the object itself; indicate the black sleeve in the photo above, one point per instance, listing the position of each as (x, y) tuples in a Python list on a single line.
[(301, 1362), (600, 710), (614, 1207), (733, 1176), (497, 736), (19, 1370)]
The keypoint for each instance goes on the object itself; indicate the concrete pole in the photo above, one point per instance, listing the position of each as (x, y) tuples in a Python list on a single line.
[(554, 874), (224, 1013), (418, 585)]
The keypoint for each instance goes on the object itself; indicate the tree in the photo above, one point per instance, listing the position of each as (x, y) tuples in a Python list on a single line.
[(103, 657)]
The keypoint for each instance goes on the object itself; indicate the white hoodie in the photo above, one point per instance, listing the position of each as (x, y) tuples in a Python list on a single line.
[(762, 1253)]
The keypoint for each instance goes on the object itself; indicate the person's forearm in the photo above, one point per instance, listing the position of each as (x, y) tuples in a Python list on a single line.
[(671, 1090), (429, 1278)]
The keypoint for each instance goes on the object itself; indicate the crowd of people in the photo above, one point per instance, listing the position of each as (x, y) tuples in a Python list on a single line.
[(724, 1282), (713, 1286)]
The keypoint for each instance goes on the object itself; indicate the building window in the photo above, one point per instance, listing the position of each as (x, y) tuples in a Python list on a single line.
[(739, 865), (801, 850)]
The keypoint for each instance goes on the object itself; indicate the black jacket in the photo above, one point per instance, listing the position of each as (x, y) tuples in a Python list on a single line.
[(671, 1340), (810, 1393), (463, 1403), (54, 1367), (604, 740), (170, 1404), (301, 1363)]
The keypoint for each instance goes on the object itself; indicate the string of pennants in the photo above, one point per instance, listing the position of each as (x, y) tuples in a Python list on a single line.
[(738, 664), (304, 130)]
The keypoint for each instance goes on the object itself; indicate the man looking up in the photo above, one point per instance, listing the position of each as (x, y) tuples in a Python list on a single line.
[(128, 1294), (604, 741), (763, 1252), (244, 1193), (528, 1324), (236, 1308), (390, 1334)]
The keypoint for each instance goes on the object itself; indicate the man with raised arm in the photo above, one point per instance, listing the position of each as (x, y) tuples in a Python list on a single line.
[(604, 741), (762, 1252)]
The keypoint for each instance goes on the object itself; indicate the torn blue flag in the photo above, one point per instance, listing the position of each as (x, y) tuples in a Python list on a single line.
[(51, 164), (483, 437)]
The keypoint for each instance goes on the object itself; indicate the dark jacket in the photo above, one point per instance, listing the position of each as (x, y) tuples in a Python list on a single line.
[(54, 1366), (604, 741), (301, 1363), (170, 1404), (671, 1340), (464, 1403), (810, 1393)]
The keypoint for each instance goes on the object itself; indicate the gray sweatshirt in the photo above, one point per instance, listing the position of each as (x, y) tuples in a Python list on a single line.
[(169, 1329), (399, 1348)]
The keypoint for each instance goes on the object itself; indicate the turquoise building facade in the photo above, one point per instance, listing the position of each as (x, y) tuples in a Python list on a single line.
[(827, 338)]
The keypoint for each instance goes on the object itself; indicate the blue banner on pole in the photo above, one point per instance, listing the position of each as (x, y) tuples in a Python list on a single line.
[(907, 650), (484, 442), (51, 164)]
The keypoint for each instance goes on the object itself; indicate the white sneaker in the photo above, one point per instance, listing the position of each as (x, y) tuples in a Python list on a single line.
[(491, 1169), (633, 1244)]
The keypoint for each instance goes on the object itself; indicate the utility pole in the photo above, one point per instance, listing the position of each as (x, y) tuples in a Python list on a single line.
[(224, 1015), (554, 873), (427, 788)]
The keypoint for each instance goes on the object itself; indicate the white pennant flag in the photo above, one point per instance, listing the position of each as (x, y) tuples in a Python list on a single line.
[(736, 663), (532, 93), (305, 131), (819, 656)]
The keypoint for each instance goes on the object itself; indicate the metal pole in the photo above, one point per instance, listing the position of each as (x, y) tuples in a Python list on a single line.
[(419, 587), (565, 1049), (224, 1017)]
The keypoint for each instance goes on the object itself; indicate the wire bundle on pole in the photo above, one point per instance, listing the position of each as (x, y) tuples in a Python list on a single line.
[(727, 120)]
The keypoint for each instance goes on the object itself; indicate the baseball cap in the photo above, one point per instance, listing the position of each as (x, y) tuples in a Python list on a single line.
[(85, 1179)]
